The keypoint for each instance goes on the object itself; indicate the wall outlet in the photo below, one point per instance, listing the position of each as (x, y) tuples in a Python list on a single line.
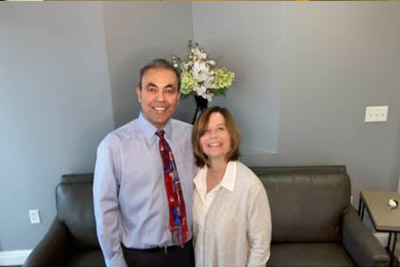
[(34, 216), (376, 114)]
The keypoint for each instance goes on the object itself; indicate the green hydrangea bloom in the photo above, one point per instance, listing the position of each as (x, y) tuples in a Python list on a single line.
[(223, 78), (187, 82)]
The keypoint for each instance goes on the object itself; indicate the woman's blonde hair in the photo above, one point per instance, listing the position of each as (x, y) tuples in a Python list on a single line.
[(200, 128)]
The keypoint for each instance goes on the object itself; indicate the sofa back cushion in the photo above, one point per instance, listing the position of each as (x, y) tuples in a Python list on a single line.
[(74, 200), (307, 203)]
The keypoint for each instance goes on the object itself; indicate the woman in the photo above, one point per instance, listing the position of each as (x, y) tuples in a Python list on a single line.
[(231, 213)]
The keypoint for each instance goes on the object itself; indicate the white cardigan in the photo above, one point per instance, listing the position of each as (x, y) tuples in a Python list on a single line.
[(237, 227)]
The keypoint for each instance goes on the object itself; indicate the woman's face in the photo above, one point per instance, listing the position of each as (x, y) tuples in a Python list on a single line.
[(216, 141)]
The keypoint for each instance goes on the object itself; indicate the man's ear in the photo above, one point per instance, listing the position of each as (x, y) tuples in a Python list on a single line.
[(139, 94)]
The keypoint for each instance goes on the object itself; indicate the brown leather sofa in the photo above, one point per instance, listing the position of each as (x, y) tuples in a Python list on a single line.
[(313, 223), (71, 239)]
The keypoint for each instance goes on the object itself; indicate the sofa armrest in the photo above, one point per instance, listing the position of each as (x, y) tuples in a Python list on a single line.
[(52, 249), (360, 243)]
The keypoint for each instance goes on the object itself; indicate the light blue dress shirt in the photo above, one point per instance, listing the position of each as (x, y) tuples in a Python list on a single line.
[(130, 201)]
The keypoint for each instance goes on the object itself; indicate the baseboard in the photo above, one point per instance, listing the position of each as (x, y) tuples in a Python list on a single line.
[(14, 257)]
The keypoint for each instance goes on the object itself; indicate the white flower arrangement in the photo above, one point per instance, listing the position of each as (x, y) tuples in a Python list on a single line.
[(200, 76)]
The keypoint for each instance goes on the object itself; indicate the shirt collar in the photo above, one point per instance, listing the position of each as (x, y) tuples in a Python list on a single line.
[(228, 181), (149, 130), (200, 181)]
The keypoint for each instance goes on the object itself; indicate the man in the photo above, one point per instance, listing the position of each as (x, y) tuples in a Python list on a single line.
[(143, 180)]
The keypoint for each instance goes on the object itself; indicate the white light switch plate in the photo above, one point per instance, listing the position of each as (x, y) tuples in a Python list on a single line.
[(34, 216), (376, 113)]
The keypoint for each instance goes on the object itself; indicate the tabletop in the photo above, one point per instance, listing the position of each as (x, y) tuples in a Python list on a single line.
[(383, 218)]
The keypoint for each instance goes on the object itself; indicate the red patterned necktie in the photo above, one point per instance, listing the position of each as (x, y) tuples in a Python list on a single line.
[(176, 203)]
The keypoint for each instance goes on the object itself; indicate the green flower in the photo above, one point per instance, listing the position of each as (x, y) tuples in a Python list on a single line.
[(187, 82), (223, 78), (200, 75)]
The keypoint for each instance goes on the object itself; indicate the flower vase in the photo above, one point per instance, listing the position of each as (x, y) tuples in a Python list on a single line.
[(201, 103)]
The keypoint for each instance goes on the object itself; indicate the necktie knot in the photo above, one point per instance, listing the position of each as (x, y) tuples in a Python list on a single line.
[(160, 133)]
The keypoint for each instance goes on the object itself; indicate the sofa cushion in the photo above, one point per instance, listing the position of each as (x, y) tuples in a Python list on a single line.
[(74, 200), (307, 203), (309, 254)]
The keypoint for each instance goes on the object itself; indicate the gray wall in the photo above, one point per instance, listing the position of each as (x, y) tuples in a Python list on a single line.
[(340, 58), (136, 33), (328, 60), (68, 73), (55, 107), (305, 73), (248, 40)]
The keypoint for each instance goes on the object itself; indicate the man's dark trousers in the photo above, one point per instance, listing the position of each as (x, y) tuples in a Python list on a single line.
[(168, 256)]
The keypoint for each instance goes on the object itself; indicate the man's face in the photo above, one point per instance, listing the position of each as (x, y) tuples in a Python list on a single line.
[(159, 96)]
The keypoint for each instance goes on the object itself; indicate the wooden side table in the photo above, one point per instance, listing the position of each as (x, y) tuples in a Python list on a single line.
[(383, 218)]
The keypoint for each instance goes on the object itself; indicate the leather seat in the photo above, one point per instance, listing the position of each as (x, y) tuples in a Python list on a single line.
[(313, 222), (71, 240)]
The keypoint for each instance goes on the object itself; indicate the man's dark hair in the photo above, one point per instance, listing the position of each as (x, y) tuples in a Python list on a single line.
[(159, 63)]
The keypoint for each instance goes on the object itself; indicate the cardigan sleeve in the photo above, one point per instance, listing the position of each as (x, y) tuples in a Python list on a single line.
[(259, 226)]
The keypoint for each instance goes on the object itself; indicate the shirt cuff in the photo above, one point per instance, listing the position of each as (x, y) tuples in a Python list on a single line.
[(116, 261)]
